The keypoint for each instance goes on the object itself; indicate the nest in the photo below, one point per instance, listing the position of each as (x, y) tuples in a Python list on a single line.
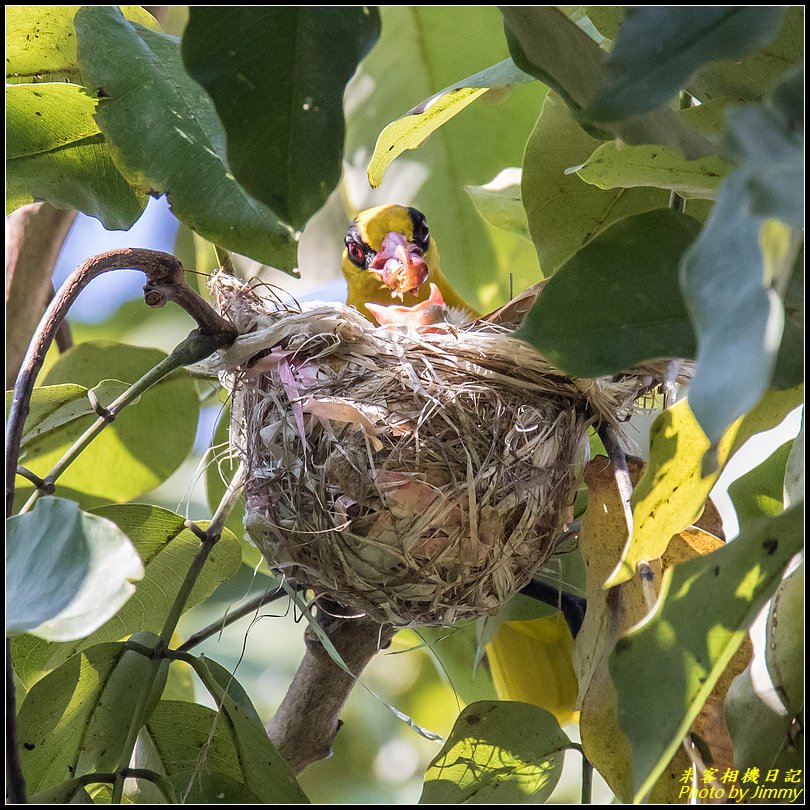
[(416, 477)]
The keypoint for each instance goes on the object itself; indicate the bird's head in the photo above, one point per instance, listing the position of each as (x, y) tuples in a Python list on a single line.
[(389, 252)]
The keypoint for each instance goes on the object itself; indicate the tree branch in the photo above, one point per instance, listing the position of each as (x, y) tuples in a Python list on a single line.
[(34, 236), (307, 721)]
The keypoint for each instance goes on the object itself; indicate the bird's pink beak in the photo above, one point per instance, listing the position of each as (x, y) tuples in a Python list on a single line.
[(400, 265)]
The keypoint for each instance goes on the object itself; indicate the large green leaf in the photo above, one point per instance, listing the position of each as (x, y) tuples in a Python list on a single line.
[(498, 751), (286, 150), (141, 448), (67, 571), (784, 651), (415, 126), (659, 47), (673, 490), (56, 152), (500, 202), (166, 549), (565, 213), (621, 166), (165, 136), (789, 369), (411, 62), (747, 78), (691, 644), (617, 302), (545, 43), (76, 719), (41, 41), (266, 772)]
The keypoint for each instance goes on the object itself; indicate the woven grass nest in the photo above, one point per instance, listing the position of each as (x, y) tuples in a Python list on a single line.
[(418, 478)]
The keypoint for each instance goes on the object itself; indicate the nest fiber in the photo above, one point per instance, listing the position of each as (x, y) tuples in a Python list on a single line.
[(415, 477)]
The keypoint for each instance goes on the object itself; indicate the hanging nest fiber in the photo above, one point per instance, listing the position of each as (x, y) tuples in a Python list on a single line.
[(416, 477)]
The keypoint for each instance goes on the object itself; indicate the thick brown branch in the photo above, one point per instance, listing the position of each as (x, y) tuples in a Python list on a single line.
[(34, 236), (307, 721)]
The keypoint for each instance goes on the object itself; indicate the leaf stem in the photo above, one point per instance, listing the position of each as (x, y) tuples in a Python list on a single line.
[(587, 781), (14, 774)]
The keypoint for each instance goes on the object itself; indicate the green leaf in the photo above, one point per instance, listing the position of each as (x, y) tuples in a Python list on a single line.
[(287, 151), (142, 447), (789, 369), (673, 490), (749, 77), (167, 549), (166, 138), (549, 46), (56, 152), (498, 751), (622, 290), (564, 213), (266, 772), (759, 493), (659, 47), (606, 19), (196, 750), (759, 725), (784, 651), (500, 203), (409, 64), (60, 716), (41, 41), (737, 318), (621, 166), (691, 644), (67, 571), (415, 126), (71, 792)]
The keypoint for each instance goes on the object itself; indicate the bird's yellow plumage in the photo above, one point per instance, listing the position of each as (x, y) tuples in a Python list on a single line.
[(369, 230), (390, 259)]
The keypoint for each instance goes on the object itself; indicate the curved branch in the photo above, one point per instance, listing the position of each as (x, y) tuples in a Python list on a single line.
[(165, 282), (305, 725)]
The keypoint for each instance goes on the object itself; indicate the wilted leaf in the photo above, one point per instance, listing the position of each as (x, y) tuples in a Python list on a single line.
[(623, 289), (693, 645), (67, 571), (414, 127), (166, 138), (659, 47), (286, 150), (671, 494), (56, 152), (497, 751)]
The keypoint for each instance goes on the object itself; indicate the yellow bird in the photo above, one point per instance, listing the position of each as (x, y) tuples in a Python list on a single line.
[(389, 255)]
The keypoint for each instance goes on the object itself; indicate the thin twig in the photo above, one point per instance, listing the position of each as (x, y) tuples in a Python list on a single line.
[(587, 781), (251, 606), (14, 774)]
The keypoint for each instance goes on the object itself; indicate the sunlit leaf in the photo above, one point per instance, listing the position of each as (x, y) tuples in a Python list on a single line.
[(617, 301), (691, 644), (67, 571), (166, 549), (41, 41), (620, 166), (505, 752), (166, 138), (287, 149), (413, 128), (142, 447), (671, 494), (659, 47), (56, 152)]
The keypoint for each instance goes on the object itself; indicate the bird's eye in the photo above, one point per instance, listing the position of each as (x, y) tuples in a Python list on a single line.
[(421, 233), (356, 253)]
